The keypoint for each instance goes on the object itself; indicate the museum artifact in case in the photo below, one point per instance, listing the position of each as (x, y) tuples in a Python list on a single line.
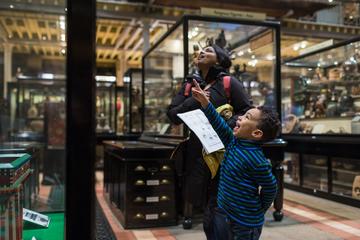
[(321, 116), (30, 100)]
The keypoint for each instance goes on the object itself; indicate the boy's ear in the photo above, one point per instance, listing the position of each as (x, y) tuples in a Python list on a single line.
[(257, 134)]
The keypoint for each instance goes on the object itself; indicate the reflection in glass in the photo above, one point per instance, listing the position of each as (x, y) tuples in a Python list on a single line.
[(320, 91), (252, 50), (315, 172), (346, 177), (291, 168), (33, 115), (164, 75)]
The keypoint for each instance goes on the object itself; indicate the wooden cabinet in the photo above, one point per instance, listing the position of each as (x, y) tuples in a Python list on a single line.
[(139, 179)]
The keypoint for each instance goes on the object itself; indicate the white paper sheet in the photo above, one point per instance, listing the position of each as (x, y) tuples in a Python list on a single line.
[(200, 125)]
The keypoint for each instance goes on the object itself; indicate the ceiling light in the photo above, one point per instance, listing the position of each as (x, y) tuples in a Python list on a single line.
[(303, 44), (11, 6)]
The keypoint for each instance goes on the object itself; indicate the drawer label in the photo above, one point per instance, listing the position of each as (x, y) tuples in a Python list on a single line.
[(152, 182), (152, 216), (152, 199)]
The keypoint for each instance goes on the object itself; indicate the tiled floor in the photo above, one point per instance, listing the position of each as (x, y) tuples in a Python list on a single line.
[(306, 218)]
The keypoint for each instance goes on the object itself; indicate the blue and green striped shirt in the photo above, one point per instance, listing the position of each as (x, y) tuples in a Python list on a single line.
[(244, 171)]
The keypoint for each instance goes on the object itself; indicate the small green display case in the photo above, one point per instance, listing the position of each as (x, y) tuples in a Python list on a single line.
[(14, 171)]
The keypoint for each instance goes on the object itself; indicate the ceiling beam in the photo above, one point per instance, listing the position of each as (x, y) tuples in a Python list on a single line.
[(124, 34)]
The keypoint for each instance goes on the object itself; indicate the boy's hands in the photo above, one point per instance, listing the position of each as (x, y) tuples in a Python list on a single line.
[(200, 95)]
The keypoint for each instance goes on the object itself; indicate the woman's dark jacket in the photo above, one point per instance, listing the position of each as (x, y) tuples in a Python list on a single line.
[(196, 172)]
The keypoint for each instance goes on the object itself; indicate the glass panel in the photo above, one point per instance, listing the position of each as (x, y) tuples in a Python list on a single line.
[(315, 172), (252, 50), (136, 101), (291, 168), (164, 74), (122, 108), (346, 177), (132, 108), (33, 114), (321, 92)]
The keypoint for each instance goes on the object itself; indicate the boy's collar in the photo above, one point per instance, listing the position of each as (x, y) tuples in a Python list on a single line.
[(249, 143)]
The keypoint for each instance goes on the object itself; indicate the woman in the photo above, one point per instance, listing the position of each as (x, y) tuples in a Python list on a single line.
[(213, 63)]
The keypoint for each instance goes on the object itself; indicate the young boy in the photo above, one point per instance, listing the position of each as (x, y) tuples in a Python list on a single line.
[(241, 205)]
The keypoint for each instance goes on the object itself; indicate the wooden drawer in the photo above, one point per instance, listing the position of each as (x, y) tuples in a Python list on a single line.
[(142, 184), (150, 217), (150, 168)]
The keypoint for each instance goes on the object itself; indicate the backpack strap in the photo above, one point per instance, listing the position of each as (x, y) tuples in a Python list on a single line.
[(227, 85), (187, 89)]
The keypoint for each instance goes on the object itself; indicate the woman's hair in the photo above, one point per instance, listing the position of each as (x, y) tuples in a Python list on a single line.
[(222, 56)]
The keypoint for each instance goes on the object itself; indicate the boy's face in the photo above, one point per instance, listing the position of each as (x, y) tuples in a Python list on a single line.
[(246, 125)]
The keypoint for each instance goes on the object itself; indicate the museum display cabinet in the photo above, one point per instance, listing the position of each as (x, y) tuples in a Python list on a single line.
[(37, 114), (255, 50), (139, 180), (321, 116)]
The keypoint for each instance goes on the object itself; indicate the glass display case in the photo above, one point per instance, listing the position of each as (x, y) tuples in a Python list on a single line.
[(254, 48), (130, 115), (105, 106), (32, 112), (321, 91), (321, 120)]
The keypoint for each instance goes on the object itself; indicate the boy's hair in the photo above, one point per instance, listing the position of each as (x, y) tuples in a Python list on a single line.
[(269, 123)]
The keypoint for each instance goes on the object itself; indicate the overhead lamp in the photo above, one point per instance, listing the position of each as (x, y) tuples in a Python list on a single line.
[(240, 53), (47, 76), (303, 44), (126, 79), (270, 57), (103, 78), (253, 62), (11, 6), (330, 1)]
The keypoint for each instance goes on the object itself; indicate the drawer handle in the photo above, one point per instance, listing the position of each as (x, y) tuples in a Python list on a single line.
[(139, 182), (165, 168), (139, 216), (139, 168), (165, 181), (164, 198), (138, 199), (153, 170), (164, 214)]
